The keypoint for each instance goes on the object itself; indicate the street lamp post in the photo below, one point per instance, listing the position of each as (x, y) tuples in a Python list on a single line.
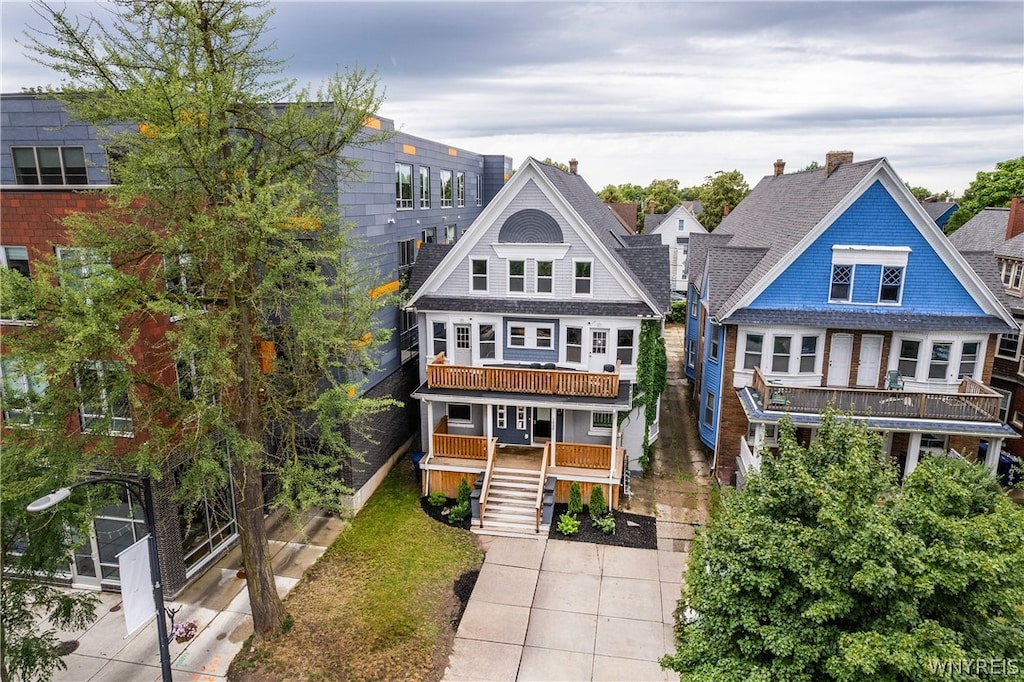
[(143, 490)]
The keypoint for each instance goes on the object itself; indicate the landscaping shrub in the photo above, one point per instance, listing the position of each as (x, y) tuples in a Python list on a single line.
[(463, 495), (436, 499), (678, 312), (575, 498), (568, 524), (598, 507), (606, 524), (459, 512)]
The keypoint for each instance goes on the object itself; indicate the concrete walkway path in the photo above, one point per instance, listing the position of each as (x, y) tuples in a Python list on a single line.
[(218, 602), (555, 610)]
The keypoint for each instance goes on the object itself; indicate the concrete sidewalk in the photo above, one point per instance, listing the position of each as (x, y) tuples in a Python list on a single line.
[(556, 610), (219, 604)]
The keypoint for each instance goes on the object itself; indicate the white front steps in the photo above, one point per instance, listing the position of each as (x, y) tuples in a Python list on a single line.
[(511, 503)]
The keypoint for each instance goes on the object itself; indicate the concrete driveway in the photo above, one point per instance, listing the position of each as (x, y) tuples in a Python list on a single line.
[(555, 610)]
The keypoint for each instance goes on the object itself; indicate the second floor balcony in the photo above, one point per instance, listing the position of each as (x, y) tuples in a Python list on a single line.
[(972, 401), (536, 379)]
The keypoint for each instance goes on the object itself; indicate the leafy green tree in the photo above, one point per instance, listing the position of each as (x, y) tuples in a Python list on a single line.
[(813, 165), (225, 218), (990, 189), (664, 195), (564, 167), (724, 188), (824, 568)]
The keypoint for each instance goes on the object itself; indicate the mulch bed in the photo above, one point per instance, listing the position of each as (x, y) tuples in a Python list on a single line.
[(631, 530), (440, 514)]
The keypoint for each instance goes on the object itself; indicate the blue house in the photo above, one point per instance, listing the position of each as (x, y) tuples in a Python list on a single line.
[(834, 286)]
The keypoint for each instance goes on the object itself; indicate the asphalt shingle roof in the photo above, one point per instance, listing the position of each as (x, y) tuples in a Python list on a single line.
[(936, 209), (513, 306), (984, 232), (1012, 248), (881, 321), (428, 258)]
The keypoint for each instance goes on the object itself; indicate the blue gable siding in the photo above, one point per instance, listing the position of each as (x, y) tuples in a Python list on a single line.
[(874, 219), (711, 382), (518, 354)]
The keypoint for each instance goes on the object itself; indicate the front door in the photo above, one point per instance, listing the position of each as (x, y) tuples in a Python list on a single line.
[(463, 351), (839, 356), (870, 360), (542, 424), (598, 349)]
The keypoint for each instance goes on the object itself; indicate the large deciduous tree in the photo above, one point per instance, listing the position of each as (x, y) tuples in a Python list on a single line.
[(225, 219), (824, 568), (990, 189), (721, 190)]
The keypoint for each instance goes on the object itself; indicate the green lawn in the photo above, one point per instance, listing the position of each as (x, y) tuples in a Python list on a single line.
[(379, 603)]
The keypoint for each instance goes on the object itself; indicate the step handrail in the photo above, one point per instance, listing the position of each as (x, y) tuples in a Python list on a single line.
[(486, 487), (540, 484)]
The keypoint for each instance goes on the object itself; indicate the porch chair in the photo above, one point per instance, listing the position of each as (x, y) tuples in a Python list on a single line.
[(893, 380)]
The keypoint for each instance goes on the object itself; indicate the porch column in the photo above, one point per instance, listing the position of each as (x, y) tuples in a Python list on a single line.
[(555, 413), (913, 454), (615, 439), (488, 425), (430, 428), (995, 446)]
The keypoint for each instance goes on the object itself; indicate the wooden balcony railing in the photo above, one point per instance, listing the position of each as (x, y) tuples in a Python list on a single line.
[(973, 401), (522, 379)]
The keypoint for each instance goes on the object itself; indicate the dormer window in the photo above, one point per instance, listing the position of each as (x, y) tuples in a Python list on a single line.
[(881, 271)]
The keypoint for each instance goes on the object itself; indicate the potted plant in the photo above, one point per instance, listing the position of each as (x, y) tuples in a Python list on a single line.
[(183, 632)]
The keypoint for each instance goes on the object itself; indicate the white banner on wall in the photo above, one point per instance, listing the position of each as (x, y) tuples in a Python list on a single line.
[(136, 587)]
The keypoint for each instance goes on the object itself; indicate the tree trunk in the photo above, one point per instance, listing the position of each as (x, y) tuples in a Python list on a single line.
[(267, 609)]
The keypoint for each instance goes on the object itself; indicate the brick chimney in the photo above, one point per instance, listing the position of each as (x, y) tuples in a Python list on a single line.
[(780, 167), (1015, 225), (573, 165), (834, 159), (726, 209)]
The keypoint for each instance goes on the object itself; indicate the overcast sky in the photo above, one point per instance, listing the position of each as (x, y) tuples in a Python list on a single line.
[(671, 90)]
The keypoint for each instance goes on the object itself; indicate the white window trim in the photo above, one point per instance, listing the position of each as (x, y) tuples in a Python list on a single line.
[(1016, 351), (768, 336), (530, 335), (520, 418), (870, 255), (537, 277), (472, 283), (715, 344), (501, 418), (101, 369), (475, 338), (903, 281), (460, 189), (924, 357), (424, 194), (399, 201), (452, 420), (17, 375), (451, 199), (831, 282), (582, 327), (599, 430), (434, 339), (509, 276), (4, 262), (589, 294), (633, 350)]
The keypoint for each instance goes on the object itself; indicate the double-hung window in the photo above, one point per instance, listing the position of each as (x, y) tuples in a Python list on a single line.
[(968, 359), (573, 344), (403, 185), (892, 284), (531, 335), (910, 351), (752, 351), (781, 349), (583, 279), (1008, 345), (517, 275), (424, 187), (450, 234), (709, 408), (808, 354), (104, 391), (440, 330), (13, 258), (713, 344), (624, 347), (49, 165), (938, 367), (842, 283), (479, 274), (486, 341), (479, 190), (23, 390), (460, 189), (545, 276), (446, 189)]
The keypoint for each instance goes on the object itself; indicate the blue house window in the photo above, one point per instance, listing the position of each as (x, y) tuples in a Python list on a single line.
[(892, 283), (842, 279), (709, 408), (713, 349)]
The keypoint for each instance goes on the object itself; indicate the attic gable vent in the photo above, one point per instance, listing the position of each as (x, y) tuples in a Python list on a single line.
[(530, 226)]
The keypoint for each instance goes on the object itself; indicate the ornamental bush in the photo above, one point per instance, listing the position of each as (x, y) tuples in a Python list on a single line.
[(575, 498), (598, 507)]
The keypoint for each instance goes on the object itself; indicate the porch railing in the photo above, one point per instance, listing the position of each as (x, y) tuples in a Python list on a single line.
[(583, 455), (450, 445), (440, 374), (486, 487), (973, 401), (540, 486)]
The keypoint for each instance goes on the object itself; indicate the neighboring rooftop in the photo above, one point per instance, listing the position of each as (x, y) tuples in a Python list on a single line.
[(986, 231)]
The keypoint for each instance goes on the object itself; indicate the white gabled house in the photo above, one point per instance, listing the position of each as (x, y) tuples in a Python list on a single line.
[(675, 230), (530, 329)]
